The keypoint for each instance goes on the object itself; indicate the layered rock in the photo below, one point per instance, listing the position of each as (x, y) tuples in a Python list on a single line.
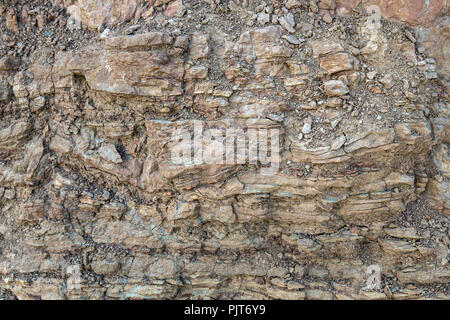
[(91, 140)]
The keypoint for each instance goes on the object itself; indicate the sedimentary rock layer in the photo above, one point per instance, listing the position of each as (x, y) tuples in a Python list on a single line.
[(92, 94)]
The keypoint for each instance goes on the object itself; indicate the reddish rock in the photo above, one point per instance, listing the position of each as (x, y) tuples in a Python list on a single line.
[(344, 7), (413, 12), (331, 56)]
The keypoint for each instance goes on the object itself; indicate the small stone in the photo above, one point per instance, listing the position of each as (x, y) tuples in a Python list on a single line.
[(309, 34), (175, 8), (132, 29), (305, 27), (327, 18), (348, 107), (109, 153), (274, 19), (292, 39), (106, 195), (430, 75), (147, 14), (430, 67), (313, 6), (74, 21), (335, 122), (410, 36), (41, 21), (371, 75), (8, 63), (292, 4), (263, 18), (9, 194), (288, 22), (199, 46), (355, 51), (11, 21)]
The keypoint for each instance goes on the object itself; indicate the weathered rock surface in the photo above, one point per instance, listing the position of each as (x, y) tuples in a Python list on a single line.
[(89, 128)]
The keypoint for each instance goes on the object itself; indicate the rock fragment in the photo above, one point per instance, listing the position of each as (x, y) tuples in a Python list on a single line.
[(335, 88)]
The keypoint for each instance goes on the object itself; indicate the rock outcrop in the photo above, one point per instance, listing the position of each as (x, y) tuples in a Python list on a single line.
[(358, 119)]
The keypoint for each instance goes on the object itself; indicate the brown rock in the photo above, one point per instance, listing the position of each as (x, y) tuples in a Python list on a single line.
[(408, 49), (41, 21), (199, 46), (327, 4), (174, 8), (331, 56), (89, 177), (335, 88)]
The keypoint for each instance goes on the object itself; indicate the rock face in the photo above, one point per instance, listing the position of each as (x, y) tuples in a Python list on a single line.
[(415, 12), (436, 39), (96, 201)]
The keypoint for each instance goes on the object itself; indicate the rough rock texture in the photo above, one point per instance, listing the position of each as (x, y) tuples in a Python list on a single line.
[(86, 176)]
